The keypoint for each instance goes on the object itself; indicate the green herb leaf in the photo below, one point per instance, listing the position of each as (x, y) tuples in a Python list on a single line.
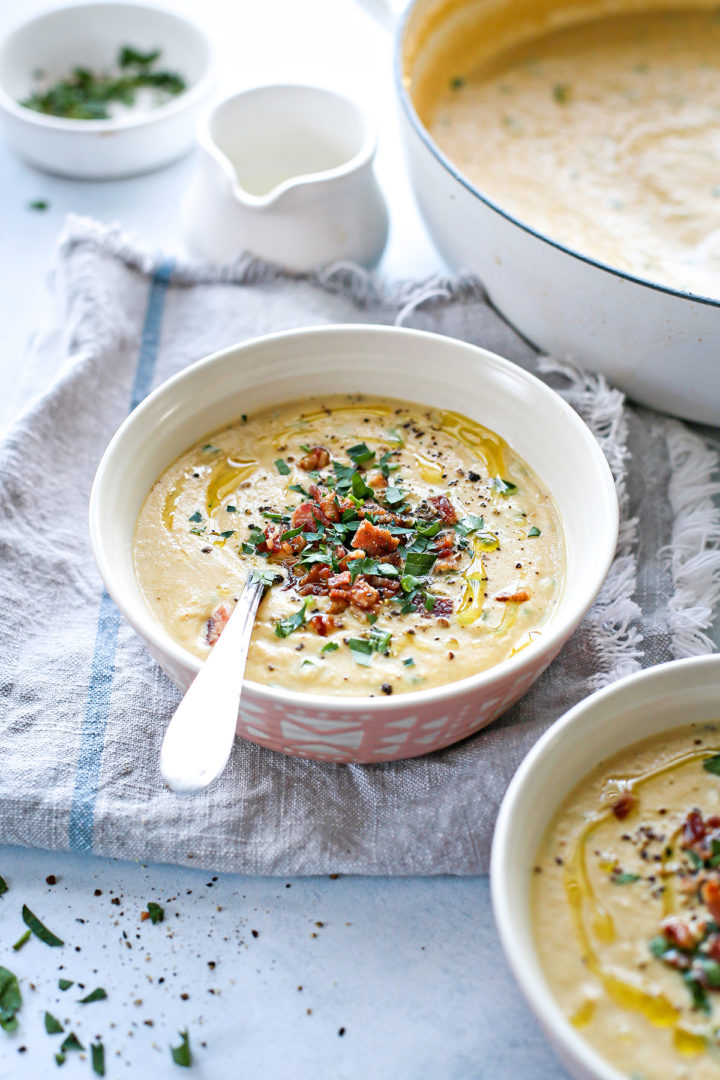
[(59, 1058), (380, 639), (285, 627), (38, 204), (503, 487), (624, 878), (430, 601), (359, 488), (71, 1043), (129, 57), (658, 946), (155, 912), (52, 1024), (330, 647), (97, 1054), (300, 489), (65, 984), (457, 82), (197, 516), (100, 994), (3, 886), (208, 448), (533, 531), (360, 454), (409, 662), (22, 940), (291, 533), (430, 529), (419, 563), (394, 496), (712, 765), (282, 467), (39, 929), (562, 92), (264, 577), (181, 1054), (697, 993), (10, 999), (227, 534), (469, 524), (362, 650), (710, 969), (231, 509)]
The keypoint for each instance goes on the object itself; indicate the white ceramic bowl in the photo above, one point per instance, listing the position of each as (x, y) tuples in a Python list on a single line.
[(634, 708), (406, 364), (91, 34)]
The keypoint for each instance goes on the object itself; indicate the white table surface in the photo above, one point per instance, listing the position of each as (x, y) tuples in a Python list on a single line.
[(410, 968)]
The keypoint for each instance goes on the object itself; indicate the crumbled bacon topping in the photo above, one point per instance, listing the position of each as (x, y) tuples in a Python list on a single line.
[(623, 805), (517, 597), (322, 624), (317, 457), (217, 623), (444, 508), (373, 540), (277, 548)]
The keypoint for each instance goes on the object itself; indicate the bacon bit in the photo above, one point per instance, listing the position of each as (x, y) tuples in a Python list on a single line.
[(443, 607), (623, 805), (363, 595), (377, 481), (444, 508), (348, 557), (278, 548), (710, 893), (144, 916), (518, 597), (338, 602), (684, 933), (317, 457), (340, 581), (444, 544), (315, 581), (694, 829), (373, 540), (322, 624), (217, 623), (303, 517)]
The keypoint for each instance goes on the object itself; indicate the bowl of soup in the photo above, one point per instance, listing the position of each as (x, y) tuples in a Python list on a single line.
[(431, 520), (566, 152), (606, 877)]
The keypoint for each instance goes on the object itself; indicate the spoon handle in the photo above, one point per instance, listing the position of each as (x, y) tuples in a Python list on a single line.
[(200, 736)]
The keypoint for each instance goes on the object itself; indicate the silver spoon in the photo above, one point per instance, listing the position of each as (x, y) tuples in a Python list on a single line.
[(200, 736)]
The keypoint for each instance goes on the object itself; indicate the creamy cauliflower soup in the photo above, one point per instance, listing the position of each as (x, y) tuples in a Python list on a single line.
[(404, 547), (601, 130), (626, 906)]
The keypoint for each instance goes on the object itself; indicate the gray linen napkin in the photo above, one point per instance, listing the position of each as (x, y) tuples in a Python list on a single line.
[(83, 707)]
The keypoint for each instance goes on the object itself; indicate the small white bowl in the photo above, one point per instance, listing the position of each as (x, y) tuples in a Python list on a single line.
[(385, 361), (90, 34), (648, 703)]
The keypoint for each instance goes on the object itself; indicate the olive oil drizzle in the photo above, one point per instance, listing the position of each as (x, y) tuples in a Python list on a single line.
[(485, 443), (581, 896)]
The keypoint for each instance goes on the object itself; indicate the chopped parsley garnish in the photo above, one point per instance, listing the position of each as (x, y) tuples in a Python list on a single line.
[(38, 204), (71, 1043), (712, 765), (457, 82), (419, 563), (22, 940), (10, 1000), (97, 1055), (285, 627), (282, 467), (428, 529), (291, 534), (430, 601), (3, 886), (503, 487), (208, 448), (65, 984), (624, 877), (561, 93), (300, 489), (181, 1054), (87, 95), (227, 534), (469, 524), (359, 488), (409, 662), (533, 531), (394, 496), (330, 647), (39, 929), (264, 577), (362, 650), (100, 994), (155, 913), (197, 516), (231, 509), (52, 1024), (361, 454)]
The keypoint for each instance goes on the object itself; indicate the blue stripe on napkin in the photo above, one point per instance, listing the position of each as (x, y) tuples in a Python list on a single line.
[(97, 708)]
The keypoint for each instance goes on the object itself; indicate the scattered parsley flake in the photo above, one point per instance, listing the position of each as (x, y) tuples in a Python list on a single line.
[(360, 454), (59, 1058), (299, 488), (52, 1024), (71, 1043), (533, 531), (22, 940), (231, 509), (503, 487), (155, 913), (39, 929), (65, 984), (38, 204), (409, 662), (10, 1000), (562, 92), (99, 994), (457, 82), (419, 563), (330, 647), (181, 1054), (469, 524), (97, 1053), (285, 627), (227, 534), (624, 878), (197, 516), (282, 467), (362, 650), (3, 885), (712, 765), (264, 577), (208, 448)]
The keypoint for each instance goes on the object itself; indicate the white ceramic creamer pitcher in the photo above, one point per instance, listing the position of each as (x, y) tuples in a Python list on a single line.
[(286, 173)]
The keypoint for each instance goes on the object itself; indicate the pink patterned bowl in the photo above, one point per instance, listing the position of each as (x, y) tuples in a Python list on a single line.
[(406, 364)]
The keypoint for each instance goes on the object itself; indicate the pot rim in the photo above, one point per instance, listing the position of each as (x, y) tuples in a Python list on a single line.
[(424, 135)]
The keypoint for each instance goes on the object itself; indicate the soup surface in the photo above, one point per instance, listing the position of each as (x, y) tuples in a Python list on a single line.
[(626, 906), (413, 547), (604, 135)]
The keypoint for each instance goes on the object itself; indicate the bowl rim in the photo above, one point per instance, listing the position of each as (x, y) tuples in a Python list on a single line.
[(529, 978), (408, 108), (556, 632), (182, 101)]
